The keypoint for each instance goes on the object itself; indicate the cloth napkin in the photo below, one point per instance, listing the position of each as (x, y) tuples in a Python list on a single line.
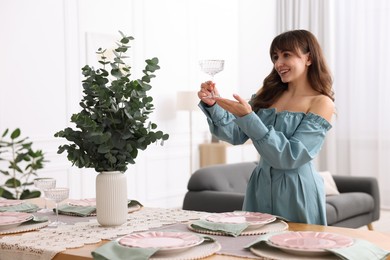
[(24, 207), (84, 211), (36, 220), (361, 249), (114, 251), (225, 228)]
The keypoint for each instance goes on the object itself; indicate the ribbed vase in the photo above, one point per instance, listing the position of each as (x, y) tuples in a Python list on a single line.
[(111, 198)]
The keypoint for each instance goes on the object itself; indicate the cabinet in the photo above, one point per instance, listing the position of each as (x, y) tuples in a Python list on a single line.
[(222, 153)]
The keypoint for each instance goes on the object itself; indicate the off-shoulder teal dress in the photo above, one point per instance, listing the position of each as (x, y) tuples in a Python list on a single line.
[(285, 182)]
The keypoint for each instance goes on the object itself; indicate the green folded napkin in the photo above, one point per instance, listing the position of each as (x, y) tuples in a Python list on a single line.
[(114, 251), (36, 220), (225, 228), (66, 209), (84, 211), (361, 249), (24, 207)]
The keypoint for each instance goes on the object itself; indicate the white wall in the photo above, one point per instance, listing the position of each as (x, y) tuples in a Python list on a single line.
[(43, 52)]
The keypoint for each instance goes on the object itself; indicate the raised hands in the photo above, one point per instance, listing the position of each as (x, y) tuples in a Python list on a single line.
[(208, 92), (238, 107)]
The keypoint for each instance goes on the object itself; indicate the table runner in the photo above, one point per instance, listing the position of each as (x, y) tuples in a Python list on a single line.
[(47, 242)]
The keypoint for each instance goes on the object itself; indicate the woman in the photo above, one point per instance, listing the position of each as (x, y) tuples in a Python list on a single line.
[(287, 121)]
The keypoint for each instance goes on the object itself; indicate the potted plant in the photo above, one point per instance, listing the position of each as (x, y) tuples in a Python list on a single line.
[(112, 126), (23, 163)]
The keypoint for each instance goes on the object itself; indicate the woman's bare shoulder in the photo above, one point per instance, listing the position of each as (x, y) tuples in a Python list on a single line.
[(323, 106)]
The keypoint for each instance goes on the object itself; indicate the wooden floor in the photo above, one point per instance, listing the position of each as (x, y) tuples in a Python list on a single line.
[(383, 224)]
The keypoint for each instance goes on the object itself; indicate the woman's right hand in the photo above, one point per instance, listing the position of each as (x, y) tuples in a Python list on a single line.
[(207, 93)]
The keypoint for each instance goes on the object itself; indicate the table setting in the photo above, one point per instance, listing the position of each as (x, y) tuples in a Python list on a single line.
[(17, 216), (238, 223), (160, 233), (87, 207), (297, 245)]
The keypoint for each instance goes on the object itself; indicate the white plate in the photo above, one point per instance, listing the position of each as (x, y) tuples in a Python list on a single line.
[(83, 202), (309, 242), (13, 219), (7, 203), (253, 219), (270, 252), (165, 241)]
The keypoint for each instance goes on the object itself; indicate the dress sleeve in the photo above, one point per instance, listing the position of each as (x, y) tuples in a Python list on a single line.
[(222, 124), (279, 151)]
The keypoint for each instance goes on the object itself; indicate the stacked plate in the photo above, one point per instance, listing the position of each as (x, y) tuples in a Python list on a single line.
[(167, 242), (10, 220), (254, 220), (306, 243), (8, 203), (83, 202)]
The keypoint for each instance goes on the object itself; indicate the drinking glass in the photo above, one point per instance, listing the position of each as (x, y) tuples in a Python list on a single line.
[(57, 195), (44, 184), (211, 67)]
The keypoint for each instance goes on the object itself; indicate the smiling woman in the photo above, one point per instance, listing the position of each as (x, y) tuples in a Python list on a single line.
[(287, 137)]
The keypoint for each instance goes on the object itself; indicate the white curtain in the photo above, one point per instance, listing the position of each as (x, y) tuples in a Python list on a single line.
[(355, 36), (362, 66)]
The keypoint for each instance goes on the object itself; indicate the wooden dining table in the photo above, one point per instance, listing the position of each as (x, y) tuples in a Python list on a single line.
[(380, 239)]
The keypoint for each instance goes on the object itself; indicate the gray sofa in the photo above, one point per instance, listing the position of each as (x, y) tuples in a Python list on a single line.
[(221, 188)]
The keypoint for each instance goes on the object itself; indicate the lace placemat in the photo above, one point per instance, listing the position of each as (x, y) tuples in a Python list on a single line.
[(42, 244)]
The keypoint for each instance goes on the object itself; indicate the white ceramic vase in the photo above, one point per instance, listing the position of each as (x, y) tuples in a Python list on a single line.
[(111, 198)]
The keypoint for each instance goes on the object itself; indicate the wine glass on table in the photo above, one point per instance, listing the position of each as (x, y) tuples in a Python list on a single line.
[(57, 195), (44, 184), (212, 67)]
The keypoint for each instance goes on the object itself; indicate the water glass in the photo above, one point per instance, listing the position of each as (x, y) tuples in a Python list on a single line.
[(57, 195), (44, 184)]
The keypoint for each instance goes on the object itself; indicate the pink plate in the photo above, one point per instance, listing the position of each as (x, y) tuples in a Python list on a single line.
[(254, 219), (13, 219), (165, 241), (309, 241), (7, 203), (83, 202)]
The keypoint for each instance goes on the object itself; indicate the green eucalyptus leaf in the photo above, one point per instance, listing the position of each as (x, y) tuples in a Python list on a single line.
[(27, 194), (6, 194), (12, 183), (15, 134)]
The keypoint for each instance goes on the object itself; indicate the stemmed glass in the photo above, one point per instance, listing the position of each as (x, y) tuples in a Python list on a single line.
[(57, 195), (211, 67), (44, 184)]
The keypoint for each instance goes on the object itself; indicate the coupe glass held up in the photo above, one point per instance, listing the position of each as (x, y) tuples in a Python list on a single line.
[(212, 67)]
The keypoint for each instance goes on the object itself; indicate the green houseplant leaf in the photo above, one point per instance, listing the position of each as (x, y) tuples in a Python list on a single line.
[(23, 163), (112, 125)]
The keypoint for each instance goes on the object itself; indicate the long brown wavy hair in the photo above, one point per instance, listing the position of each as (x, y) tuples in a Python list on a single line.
[(318, 73)]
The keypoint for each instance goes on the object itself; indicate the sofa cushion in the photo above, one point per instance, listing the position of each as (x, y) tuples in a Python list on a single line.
[(330, 185), (351, 204), (331, 214), (225, 177)]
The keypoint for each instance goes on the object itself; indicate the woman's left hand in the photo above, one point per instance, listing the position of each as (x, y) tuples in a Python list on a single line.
[(238, 108)]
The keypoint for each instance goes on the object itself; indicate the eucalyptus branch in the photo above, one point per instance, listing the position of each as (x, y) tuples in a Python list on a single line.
[(119, 106), (21, 153)]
